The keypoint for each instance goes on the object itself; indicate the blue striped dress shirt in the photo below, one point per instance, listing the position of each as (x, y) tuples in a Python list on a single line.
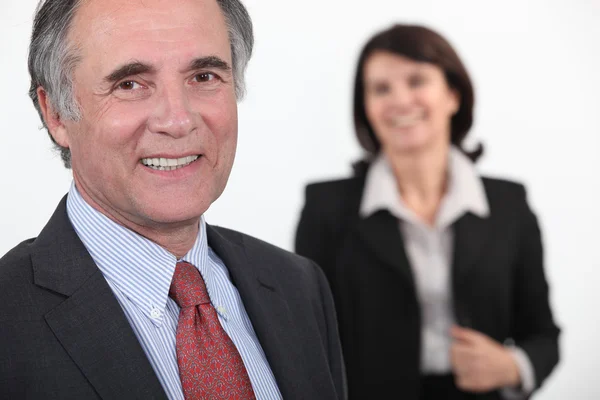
[(139, 272)]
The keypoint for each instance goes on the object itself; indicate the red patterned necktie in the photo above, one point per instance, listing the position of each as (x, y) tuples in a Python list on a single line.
[(210, 366)]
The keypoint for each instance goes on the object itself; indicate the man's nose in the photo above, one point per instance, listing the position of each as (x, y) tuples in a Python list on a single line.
[(172, 114)]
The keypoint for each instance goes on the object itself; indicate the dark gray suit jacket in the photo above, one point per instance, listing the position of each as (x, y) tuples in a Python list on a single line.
[(63, 334)]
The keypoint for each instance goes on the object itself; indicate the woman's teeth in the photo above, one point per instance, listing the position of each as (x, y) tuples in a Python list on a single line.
[(168, 164), (404, 121)]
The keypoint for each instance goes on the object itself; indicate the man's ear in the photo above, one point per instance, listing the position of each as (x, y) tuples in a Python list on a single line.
[(52, 118)]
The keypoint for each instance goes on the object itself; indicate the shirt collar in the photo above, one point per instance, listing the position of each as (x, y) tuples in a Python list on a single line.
[(139, 268), (465, 192)]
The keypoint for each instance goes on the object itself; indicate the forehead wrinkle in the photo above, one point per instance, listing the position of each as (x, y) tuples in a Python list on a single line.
[(92, 21), (85, 27), (157, 36)]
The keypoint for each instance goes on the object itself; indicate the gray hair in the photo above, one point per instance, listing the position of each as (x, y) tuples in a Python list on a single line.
[(52, 59)]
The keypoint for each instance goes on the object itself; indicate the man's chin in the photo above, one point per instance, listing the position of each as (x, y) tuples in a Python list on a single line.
[(171, 220), (171, 215)]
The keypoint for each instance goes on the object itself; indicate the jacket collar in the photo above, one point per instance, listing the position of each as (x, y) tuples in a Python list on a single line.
[(90, 323), (465, 192)]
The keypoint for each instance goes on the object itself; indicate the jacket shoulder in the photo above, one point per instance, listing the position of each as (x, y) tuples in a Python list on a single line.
[(258, 249), (335, 198), (503, 192), (16, 264), (20, 297), (335, 187)]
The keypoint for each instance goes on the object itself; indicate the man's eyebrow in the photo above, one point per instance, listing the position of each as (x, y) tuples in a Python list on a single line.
[(209, 62), (130, 69)]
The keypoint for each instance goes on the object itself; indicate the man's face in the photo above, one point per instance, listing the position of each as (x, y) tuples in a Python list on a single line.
[(157, 137)]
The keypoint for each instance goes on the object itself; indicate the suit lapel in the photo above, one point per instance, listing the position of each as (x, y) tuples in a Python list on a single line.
[(381, 233), (268, 311), (90, 323), (471, 235)]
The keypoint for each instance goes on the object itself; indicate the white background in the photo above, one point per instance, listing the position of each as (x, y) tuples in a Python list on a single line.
[(535, 65)]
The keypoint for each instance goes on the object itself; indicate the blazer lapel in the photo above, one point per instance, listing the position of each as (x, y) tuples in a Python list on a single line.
[(268, 311), (471, 235), (90, 323), (381, 233)]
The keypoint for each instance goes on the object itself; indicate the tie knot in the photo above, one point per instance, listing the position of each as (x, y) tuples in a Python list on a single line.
[(188, 288)]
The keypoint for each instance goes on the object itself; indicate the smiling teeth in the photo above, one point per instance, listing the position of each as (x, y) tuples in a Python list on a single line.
[(168, 164), (402, 122)]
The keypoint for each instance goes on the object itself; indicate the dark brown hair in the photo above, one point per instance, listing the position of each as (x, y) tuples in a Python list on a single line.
[(423, 45)]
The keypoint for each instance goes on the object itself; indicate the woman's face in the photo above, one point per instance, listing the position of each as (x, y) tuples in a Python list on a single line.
[(408, 103)]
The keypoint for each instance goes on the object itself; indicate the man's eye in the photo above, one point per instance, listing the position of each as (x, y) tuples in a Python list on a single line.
[(204, 77), (128, 85)]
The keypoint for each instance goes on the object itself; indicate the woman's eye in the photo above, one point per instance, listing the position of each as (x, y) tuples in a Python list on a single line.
[(416, 81), (380, 89), (128, 85)]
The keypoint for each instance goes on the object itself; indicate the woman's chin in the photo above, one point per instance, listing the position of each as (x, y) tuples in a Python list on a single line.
[(411, 148)]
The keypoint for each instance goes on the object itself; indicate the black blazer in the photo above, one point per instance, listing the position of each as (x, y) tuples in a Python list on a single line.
[(498, 283), (64, 335)]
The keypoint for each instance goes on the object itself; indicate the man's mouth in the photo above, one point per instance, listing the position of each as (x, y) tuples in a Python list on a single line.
[(168, 164)]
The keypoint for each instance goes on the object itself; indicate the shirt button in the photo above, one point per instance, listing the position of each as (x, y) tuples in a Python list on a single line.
[(222, 310), (155, 313)]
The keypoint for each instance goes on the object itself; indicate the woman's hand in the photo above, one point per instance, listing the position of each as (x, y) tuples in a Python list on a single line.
[(480, 364)]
